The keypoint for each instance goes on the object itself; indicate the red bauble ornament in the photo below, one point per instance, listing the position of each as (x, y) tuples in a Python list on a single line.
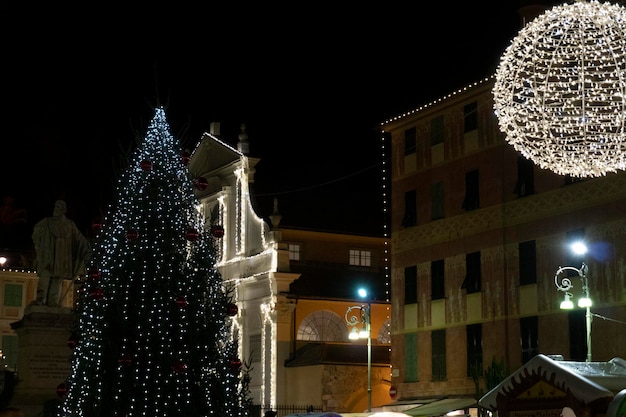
[(72, 341), (232, 309), (179, 367), (181, 302), (146, 165), (125, 360), (201, 183), (234, 364), (132, 234), (94, 274), (62, 389), (97, 293), (217, 231), (96, 226), (191, 235), (185, 157)]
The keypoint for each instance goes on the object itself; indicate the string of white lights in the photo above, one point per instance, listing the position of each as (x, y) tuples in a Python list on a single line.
[(560, 86)]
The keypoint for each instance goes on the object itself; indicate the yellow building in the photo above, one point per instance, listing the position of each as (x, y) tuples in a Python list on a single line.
[(293, 288)]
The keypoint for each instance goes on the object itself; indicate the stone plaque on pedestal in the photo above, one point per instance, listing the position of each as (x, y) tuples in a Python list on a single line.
[(44, 358)]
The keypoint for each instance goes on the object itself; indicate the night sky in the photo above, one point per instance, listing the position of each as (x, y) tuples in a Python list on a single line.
[(311, 83)]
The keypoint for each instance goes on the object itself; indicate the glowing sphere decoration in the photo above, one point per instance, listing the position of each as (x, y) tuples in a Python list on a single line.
[(560, 86)]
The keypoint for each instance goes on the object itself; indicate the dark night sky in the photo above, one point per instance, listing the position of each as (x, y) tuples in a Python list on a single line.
[(312, 84)]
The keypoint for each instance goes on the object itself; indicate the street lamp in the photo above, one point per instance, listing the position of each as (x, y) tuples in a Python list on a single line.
[(584, 302), (358, 317)]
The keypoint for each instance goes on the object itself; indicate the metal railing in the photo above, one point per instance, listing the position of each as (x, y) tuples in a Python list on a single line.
[(282, 410)]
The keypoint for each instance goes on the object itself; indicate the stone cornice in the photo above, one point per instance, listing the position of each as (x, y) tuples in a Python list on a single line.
[(570, 198)]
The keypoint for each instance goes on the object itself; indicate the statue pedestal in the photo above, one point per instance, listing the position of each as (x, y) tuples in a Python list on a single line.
[(44, 358)]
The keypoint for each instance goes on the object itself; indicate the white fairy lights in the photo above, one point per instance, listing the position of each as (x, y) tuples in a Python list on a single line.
[(560, 87)]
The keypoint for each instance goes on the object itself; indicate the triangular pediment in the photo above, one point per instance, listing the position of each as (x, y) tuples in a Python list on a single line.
[(212, 155)]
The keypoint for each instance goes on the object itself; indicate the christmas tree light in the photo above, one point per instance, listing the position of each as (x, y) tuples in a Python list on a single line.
[(152, 335)]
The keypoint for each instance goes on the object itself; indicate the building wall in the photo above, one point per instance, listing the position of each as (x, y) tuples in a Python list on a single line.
[(495, 228), (26, 283), (254, 261)]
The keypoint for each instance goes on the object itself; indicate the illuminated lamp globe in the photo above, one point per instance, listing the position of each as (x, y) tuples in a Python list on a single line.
[(559, 89)]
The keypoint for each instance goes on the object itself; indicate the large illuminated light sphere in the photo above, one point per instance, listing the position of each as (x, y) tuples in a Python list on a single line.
[(560, 87)]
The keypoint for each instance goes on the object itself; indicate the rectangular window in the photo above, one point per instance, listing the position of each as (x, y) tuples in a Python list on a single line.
[(410, 209), (471, 200), (474, 333), (529, 329), (410, 141), (437, 279), (410, 357), (473, 276), (410, 284), (360, 257), (525, 177), (436, 131), (439, 355), (294, 252), (436, 200), (13, 295), (255, 347), (470, 113), (527, 263), (577, 334)]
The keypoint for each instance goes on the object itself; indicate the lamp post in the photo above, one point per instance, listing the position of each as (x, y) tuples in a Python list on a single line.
[(584, 302), (359, 316)]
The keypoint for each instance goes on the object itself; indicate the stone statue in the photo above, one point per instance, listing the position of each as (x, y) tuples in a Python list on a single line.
[(61, 251)]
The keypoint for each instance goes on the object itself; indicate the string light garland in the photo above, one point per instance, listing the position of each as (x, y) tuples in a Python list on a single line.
[(560, 86)]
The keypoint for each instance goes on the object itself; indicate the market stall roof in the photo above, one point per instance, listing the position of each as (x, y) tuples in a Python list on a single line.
[(610, 375), (557, 373), (441, 407)]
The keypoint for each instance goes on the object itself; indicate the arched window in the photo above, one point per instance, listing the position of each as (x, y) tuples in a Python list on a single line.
[(384, 334), (323, 326)]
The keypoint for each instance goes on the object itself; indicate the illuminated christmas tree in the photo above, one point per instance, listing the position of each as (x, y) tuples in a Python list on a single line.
[(153, 333)]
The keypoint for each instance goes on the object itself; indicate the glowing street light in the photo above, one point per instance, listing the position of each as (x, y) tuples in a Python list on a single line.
[(566, 284), (361, 326)]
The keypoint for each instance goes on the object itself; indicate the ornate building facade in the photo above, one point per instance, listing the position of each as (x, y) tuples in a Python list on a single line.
[(478, 233)]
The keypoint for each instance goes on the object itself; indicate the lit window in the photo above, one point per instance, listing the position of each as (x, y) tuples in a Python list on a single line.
[(360, 257), (294, 252)]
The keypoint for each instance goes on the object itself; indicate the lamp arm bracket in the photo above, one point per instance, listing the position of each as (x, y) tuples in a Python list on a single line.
[(354, 319), (566, 283)]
